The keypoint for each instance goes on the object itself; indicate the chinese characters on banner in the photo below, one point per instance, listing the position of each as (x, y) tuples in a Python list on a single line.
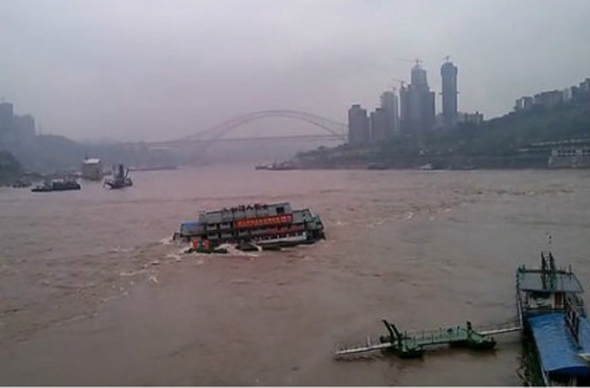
[(264, 221)]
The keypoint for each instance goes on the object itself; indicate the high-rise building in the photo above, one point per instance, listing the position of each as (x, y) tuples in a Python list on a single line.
[(470, 118), (549, 98), (524, 103), (379, 126), (358, 125), (24, 126), (390, 107), (448, 73), (417, 103), (6, 117), (419, 77)]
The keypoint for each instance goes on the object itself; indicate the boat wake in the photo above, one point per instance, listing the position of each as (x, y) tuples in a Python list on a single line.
[(408, 216), (166, 241)]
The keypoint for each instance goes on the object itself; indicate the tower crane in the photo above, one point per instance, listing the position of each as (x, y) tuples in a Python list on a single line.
[(401, 82), (417, 61)]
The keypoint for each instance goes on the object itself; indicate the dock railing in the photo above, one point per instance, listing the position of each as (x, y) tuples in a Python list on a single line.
[(402, 341)]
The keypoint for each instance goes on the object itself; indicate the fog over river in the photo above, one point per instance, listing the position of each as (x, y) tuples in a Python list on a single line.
[(93, 292)]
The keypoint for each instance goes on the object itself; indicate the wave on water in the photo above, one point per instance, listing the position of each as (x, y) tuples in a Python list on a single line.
[(173, 257), (132, 273), (166, 241), (231, 250), (408, 216), (119, 249)]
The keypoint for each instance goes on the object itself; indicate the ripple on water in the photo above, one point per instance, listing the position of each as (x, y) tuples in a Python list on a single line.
[(428, 273)]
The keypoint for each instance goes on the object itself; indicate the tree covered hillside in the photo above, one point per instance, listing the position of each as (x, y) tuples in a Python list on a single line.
[(503, 136), (10, 168)]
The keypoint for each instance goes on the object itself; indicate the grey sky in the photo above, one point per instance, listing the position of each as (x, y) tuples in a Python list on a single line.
[(139, 69)]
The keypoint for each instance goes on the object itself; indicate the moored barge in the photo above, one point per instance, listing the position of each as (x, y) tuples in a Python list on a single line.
[(57, 185), (263, 224), (556, 330)]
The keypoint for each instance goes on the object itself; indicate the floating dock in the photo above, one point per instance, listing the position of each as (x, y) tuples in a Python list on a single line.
[(411, 345)]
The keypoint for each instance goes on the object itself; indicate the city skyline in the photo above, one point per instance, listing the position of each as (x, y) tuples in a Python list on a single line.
[(416, 111), (153, 70)]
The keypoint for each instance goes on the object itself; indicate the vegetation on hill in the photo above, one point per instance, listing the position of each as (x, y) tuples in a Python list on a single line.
[(493, 142), (52, 153), (503, 136), (10, 168)]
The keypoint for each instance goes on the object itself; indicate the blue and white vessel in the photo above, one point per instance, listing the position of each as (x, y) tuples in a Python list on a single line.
[(555, 325)]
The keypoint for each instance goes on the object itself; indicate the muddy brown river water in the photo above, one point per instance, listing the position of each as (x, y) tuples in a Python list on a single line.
[(92, 291)]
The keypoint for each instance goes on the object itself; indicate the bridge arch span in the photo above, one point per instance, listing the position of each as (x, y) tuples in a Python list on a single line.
[(224, 128)]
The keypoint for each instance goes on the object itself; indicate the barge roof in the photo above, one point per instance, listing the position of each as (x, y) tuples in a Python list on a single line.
[(537, 280), (249, 206), (558, 352)]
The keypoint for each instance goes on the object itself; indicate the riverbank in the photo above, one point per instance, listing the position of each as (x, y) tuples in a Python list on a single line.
[(422, 163)]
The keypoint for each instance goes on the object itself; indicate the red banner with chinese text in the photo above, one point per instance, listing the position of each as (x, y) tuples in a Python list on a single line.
[(264, 221)]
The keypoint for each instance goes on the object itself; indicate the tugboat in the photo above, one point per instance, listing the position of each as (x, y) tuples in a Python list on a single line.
[(57, 185), (120, 178), (266, 225), (556, 330)]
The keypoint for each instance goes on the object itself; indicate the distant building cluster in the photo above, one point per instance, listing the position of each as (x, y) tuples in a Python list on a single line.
[(552, 98), (470, 118), (15, 129), (415, 112), (379, 125), (417, 103)]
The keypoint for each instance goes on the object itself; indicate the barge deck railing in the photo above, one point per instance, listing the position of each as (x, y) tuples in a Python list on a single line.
[(413, 344)]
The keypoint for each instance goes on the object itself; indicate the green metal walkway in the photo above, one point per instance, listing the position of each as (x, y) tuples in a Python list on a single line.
[(409, 345)]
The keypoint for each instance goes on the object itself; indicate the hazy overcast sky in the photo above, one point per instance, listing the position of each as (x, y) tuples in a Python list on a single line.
[(141, 69)]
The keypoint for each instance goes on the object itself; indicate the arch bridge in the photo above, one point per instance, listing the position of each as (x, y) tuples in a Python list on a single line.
[(200, 141)]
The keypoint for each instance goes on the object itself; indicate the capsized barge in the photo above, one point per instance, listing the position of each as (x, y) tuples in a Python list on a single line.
[(556, 332), (263, 224)]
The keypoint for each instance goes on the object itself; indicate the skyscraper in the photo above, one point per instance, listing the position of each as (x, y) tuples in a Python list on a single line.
[(358, 125), (390, 108), (6, 117), (448, 73), (379, 128), (417, 103)]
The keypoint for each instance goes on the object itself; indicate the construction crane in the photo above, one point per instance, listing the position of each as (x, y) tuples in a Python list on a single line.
[(401, 82), (418, 61)]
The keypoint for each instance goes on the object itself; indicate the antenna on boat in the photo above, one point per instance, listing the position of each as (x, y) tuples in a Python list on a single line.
[(551, 263)]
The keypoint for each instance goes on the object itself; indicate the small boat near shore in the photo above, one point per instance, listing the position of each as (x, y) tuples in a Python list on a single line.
[(282, 166), (556, 330), (57, 185), (21, 183), (120, 178)]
